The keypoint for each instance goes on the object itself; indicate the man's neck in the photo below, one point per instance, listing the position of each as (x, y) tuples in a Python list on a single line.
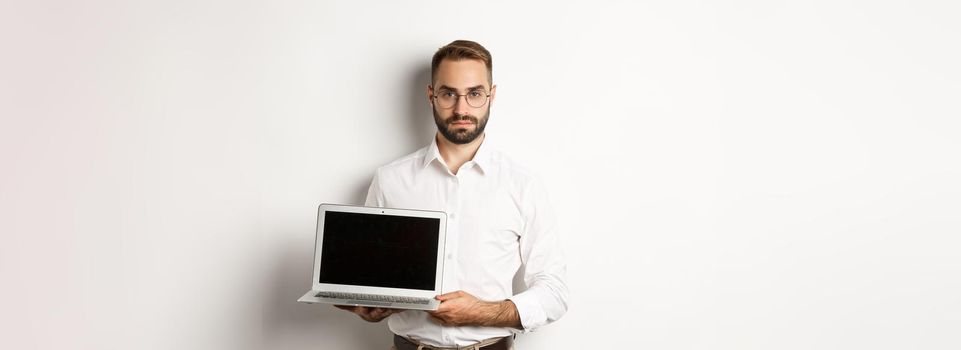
[(456, 155)]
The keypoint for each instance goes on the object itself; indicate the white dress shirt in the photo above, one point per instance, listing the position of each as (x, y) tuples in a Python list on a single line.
[(498, 220)]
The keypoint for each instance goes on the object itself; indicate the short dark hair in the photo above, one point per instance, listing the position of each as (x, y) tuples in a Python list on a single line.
[(462, 50)]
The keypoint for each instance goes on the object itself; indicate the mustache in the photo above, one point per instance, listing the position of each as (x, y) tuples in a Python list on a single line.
[(460, 118)]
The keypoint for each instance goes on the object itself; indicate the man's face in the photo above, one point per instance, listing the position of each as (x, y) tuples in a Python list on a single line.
[(461, 123)]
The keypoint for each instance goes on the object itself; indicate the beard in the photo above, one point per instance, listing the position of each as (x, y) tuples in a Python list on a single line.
[(459, 134)]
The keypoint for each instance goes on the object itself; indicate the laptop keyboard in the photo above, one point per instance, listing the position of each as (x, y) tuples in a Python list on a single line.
[(374, 297)]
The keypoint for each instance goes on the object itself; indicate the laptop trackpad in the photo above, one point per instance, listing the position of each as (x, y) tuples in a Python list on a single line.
[(368, 302)]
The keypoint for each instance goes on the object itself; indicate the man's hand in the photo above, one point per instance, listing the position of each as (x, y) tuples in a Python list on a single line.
[(370, 314), (462, 309)]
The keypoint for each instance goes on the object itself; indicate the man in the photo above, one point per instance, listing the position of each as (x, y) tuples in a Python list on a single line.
[(498, 219)]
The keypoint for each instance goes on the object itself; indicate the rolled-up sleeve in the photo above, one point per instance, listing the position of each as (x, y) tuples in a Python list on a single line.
[(544, 266)]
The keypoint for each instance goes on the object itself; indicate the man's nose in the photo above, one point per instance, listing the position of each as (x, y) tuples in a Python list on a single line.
[(460, 105)]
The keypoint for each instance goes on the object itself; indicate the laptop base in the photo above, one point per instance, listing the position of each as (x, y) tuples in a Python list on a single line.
[(312, 298)]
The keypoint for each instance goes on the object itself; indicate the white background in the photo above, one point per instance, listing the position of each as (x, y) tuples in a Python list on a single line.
[(730, 175)]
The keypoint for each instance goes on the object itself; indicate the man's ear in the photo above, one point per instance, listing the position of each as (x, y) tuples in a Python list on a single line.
[(493, 93), (430, 92)]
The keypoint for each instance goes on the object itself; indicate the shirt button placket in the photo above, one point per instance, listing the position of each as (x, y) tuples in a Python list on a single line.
[(453, 232), (453, 202)]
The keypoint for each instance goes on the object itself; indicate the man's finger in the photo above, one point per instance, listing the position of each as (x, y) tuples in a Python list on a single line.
[(369, 315), (363, 310), (448, 296), (346, 307), (385, 310)]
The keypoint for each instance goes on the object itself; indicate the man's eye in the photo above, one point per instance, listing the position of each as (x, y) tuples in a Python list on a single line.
[(447, 94), (475, 94)]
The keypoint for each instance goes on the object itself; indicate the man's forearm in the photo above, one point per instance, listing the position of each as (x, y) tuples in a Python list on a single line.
[(499, 314)]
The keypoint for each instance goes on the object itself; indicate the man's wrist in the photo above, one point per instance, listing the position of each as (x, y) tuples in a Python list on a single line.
[(500, 314)]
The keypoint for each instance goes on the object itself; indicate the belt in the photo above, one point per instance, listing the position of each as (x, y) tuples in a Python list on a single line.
[(505, 343)]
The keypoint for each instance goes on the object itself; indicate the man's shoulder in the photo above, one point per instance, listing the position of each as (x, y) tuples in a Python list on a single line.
[(510, 169), (403, 163)]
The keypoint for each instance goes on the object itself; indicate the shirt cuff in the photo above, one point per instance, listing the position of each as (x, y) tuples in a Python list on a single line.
[(529, 309)]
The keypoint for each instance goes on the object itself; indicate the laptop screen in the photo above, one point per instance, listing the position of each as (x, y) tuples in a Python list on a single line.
[(379, 250)]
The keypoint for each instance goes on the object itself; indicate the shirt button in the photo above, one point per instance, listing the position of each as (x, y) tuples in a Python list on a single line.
[(450, 256), (453, 215)]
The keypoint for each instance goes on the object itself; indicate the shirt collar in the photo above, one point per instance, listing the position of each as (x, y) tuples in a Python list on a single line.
[(482, 159), (432, 152)]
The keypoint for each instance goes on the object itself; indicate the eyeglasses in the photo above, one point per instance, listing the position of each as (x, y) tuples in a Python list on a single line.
[(448, 98)]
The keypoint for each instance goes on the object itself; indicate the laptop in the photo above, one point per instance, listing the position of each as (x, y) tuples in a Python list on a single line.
[(378, 257)]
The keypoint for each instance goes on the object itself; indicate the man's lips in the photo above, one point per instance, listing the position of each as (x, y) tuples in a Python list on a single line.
[(462, 123)]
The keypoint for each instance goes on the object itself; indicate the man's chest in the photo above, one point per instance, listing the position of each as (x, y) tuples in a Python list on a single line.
[(484, 218)]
